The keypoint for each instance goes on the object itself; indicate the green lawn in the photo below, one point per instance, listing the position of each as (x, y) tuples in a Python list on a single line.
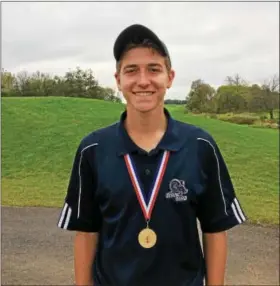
[(40, 137)]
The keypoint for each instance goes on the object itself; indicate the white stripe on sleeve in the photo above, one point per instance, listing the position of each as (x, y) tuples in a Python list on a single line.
[(239, 209), (218, 171), (235, 213), (62, 216), (80, 178), (69, 211)]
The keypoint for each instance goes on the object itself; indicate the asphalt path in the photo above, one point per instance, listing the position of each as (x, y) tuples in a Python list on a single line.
[(36, 252)]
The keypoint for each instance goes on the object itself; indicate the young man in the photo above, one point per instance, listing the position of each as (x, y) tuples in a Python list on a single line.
[(138, 186)]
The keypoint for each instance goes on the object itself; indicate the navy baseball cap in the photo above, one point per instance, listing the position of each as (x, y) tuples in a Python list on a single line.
[(137, 34)]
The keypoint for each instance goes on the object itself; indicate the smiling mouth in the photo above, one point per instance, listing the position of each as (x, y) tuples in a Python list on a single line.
[(144, 93)]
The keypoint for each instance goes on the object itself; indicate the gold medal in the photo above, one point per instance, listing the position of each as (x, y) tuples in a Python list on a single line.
[(147, 238)]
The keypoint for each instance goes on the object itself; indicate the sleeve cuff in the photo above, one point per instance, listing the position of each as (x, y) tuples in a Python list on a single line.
[(223, 225), (69, 221), (234, 216)]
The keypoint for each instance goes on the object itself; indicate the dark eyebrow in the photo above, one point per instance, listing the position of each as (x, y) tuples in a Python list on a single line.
[(151, 65), (130, 66), (155, 65)]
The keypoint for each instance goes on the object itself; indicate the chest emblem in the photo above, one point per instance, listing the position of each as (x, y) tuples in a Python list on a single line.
[(178, 191)]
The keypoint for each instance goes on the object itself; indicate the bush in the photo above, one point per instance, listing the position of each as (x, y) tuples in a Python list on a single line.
[(9, 94), (240, 120), (213, 116), (271, 121), (263, 117)]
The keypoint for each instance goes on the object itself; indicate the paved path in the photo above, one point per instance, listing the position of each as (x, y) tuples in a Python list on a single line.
[(36, 252)]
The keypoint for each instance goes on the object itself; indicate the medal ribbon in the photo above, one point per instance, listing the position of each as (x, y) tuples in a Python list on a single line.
[(147, 209)]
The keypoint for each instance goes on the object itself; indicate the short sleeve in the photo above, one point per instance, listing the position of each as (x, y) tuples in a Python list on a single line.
[(218, 207), (80, 211)]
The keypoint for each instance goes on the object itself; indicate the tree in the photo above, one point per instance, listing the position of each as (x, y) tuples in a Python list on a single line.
[(7, 80), (22, 84), (255, 101), (235, 80), (41, 84), (230, 99), (200, 97), (108, 94), (81, 83), (270, 95)]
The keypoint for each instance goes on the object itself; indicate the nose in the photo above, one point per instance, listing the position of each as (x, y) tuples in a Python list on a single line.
[(143, 80)]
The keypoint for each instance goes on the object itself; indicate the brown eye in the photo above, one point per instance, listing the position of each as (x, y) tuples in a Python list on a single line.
[(154, 70), (130, 70)]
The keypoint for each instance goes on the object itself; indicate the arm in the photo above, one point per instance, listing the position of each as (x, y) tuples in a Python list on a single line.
[(218, 210), (215, 251), (84, 252), (81, 213)]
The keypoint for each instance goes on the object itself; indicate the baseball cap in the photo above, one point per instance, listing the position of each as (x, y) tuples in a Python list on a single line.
[(137, 34)]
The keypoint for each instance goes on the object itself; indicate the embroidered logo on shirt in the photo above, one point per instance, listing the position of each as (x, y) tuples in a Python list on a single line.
[(177, 191)]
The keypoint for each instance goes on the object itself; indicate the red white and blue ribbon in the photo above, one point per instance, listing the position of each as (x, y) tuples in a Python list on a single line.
[(147, 208)]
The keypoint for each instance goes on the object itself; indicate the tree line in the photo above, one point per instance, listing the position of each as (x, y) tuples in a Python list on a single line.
[(76, 83), (175, 101), (235, 96)]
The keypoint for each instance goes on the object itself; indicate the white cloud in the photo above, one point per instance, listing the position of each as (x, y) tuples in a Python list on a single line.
[(206, 40)]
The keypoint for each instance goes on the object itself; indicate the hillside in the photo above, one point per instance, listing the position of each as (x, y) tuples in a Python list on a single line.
[(40, 137)]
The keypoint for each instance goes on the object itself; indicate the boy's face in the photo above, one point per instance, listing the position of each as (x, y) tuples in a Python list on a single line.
[(143, 78)]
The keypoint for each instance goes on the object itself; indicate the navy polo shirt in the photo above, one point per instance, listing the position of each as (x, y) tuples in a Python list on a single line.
[(195, 187)]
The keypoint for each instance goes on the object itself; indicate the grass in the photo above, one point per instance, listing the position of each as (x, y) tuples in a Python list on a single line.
[(40, 137)]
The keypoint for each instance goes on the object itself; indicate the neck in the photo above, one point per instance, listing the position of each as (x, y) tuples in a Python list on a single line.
[(145, 123)]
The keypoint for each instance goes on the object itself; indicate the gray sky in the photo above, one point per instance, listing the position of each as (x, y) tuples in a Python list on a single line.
[(206, 40)]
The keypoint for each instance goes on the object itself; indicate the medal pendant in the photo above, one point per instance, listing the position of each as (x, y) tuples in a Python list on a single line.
[(147, 238)]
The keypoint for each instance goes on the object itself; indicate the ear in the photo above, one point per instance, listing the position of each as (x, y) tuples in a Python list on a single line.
[(171, 76), (117, 77)]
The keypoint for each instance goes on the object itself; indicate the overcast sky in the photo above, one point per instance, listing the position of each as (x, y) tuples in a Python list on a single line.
[(206, 40)]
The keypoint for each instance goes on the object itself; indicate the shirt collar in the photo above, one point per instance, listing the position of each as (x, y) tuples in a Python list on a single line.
[(170, 141)]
